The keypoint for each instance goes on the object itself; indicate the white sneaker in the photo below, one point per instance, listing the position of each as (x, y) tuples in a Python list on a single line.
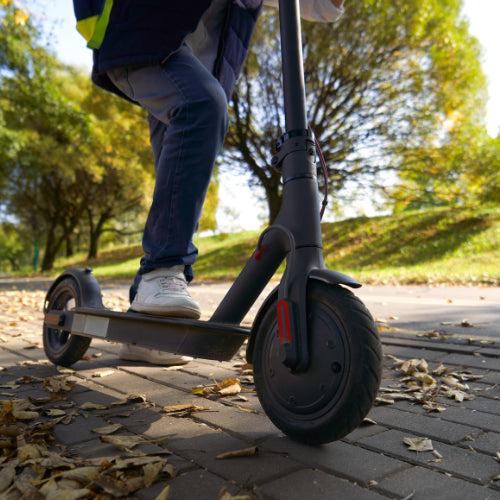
[(138, 353), (164, 292)]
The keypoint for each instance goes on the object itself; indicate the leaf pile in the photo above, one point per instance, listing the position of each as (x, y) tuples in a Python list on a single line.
[(228, 387), (33, 466), (416, 384)]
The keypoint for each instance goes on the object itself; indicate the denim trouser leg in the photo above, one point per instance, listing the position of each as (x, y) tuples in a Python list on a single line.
[(188, 119)]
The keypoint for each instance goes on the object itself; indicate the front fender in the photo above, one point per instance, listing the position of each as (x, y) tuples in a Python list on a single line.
[(324, 275)]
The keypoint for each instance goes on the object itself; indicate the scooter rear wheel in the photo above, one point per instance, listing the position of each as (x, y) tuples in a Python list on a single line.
[(337, 391), (62, 347)]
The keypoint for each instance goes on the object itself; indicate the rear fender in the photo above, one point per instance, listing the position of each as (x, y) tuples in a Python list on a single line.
[(88, 286)]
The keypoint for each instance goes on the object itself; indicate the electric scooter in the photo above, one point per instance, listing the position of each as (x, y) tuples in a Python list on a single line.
[(313, 345)]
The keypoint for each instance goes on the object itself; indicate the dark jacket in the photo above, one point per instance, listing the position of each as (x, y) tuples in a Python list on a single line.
[(146, 32)]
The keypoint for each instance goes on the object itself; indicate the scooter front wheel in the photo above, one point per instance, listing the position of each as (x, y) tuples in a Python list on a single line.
[(332, 397), (62, 347)]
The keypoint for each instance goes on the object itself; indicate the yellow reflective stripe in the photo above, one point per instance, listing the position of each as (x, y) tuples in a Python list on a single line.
[(94, 28), (86, 27)]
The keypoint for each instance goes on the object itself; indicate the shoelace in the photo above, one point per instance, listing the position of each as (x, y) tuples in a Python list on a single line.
[(172, 284)]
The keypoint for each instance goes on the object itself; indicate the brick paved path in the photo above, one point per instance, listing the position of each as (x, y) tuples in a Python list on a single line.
[(371, 463)]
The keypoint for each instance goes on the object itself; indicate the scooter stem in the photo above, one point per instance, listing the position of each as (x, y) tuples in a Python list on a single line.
[(292, 65)]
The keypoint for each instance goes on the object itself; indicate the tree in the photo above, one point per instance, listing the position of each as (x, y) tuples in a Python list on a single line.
[(390, 77), (61, 167), (14, 246)]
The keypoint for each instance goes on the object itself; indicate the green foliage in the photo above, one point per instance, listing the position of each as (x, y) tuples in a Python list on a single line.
[(70, 175), (442, 245), (15, 251), (384, 84)]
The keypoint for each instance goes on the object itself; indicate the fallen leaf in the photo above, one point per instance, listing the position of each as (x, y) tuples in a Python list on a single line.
[(224, 494), (25, 415), (418, 444), (92, 406), (136, 398), (432, 406), (121, 442), (107, 429), (245, 452), (465, 323), (183, 409), (7, 475), (54, 412), (379, 400), (151, 472), (58, 383), (163, 494), (103, 373)]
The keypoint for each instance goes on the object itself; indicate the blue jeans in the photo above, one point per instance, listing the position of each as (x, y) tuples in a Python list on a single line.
[(188, 119)]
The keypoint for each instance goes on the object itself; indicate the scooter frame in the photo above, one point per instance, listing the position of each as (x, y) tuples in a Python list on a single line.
[(296, 236)]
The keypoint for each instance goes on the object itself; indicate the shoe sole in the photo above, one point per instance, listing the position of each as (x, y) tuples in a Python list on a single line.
[(185, 312)]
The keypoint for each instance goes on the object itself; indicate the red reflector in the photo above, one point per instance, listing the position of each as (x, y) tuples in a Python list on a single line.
[(284, 321)]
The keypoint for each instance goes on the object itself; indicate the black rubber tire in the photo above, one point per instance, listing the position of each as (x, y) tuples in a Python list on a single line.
[(62, 347), (337, 391)]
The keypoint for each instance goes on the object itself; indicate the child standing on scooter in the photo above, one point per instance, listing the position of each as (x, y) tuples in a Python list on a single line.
[(179, 60)]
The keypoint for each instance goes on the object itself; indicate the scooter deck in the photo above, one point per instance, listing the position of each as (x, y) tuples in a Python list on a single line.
[(201, 339)]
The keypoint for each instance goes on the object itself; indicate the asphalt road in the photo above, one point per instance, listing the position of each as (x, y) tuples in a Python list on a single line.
[(470, 312)]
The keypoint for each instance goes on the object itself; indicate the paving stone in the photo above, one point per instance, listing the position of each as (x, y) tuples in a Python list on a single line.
[(424, 484), (179, 379), (315, 485), (460, 462), (263, 466), (485, 442), (179, 431), (473, 418), (248, 426), (94, 448), (486, 363), (432, 426), (364, 431), (198, 484), (339, 458), (80, 429), (406, 352)]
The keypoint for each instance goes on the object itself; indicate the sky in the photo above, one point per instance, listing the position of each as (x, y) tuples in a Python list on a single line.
[(483, 16)]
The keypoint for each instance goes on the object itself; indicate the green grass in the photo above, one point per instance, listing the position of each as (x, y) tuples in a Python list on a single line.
[(445, 245)]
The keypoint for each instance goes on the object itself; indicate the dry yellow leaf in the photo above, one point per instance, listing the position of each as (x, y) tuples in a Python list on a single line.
[(55, 412), (107, 429), (121, 442), (92, 406), (28, 452), (163, 494), (24, 414), (418, 443), (103, 373), (58, 383), (151, 472), (183, 409), (245, 452), (82, 474), (224, 494)]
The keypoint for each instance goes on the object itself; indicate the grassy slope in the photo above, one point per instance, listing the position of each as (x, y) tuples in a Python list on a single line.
[(450, 245)]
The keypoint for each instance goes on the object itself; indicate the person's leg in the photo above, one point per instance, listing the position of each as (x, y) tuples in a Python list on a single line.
[(188, 120)]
